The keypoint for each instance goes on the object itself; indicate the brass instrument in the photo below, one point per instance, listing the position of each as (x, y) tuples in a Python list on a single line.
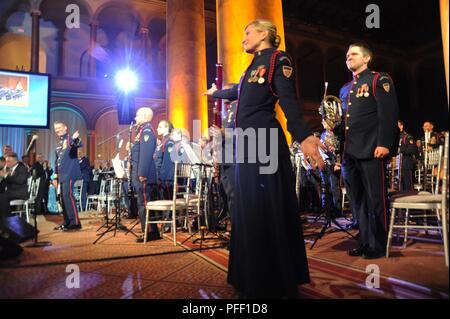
[(331, 111)]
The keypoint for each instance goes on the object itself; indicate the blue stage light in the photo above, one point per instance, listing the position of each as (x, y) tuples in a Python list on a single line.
[(126, 80)]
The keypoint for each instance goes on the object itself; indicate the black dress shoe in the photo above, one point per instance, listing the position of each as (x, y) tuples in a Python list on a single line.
[(72, 227), (150, 237), (373, 254), (60, 227), (356, 252)]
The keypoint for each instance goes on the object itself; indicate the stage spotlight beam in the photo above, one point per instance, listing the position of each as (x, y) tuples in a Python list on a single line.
[(126, 80)]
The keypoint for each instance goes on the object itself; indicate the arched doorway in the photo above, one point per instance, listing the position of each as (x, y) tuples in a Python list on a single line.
[(64, 112)]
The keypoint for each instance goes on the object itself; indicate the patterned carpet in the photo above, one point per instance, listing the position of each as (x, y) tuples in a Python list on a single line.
[(117, 267)]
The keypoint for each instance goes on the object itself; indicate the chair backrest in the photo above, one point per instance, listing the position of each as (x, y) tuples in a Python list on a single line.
[(102, 188), (34, 188), (181, 180), (439, 169), (29, 184), (433, 157), (445, 176), (77, 187)]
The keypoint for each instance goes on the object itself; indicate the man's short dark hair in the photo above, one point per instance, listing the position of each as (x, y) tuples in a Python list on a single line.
[(13, 155), (366, 50), (59, 122), (401, 122)]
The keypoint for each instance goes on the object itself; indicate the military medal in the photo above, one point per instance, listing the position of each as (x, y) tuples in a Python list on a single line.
[(261, 72), (364, 90)]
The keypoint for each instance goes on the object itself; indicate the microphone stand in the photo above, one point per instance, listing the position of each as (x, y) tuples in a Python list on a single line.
[(112, 137)]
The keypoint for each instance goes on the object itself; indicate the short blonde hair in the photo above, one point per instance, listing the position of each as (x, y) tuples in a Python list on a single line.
[(266, 25)]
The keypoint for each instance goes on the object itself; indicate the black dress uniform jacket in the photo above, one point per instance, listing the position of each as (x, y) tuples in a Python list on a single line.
[(370, 110), (164, 165), (67, 165), (142, 154), (267, 252), (408, 149)]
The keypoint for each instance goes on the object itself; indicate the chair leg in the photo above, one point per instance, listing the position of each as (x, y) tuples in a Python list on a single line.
[(405, 239), (174, 227), (445, 234), (27, 215), (146, 225), (391, 229)]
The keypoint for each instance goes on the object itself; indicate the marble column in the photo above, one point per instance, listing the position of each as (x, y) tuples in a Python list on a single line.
[(232, 17), (35, 16), (186, 63), (61, 41), (444, 32), (92, 43), (90, 147), (143, 34)]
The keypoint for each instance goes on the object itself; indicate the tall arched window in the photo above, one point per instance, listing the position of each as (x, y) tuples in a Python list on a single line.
[(64, 112)]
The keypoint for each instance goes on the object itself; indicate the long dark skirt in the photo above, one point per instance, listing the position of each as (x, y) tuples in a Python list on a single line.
[(267, 251)]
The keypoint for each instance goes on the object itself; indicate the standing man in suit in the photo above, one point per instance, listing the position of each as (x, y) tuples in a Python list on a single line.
[(143, 172), (371, 137), (15, 181), (37, 171), (68, 171)]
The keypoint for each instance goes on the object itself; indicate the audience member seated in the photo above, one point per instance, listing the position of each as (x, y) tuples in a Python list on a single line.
[(15, 184)]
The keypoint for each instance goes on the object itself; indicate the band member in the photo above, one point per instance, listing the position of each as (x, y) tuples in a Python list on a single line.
[(331, 196), (15, 182), (266, 236), (143, 172), (223, 137), (164, 165), (86, 174), (67, 171), (407, 152), (371, 136)]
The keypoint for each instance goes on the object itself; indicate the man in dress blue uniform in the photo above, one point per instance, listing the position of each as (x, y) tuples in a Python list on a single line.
[(67, 169), (371, 137), (408, 150), (143, 172), (164, 165)]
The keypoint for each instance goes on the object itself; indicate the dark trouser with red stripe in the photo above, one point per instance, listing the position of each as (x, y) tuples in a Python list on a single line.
[(68, 204), (144, 194), (366, 188), (407, 179)]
